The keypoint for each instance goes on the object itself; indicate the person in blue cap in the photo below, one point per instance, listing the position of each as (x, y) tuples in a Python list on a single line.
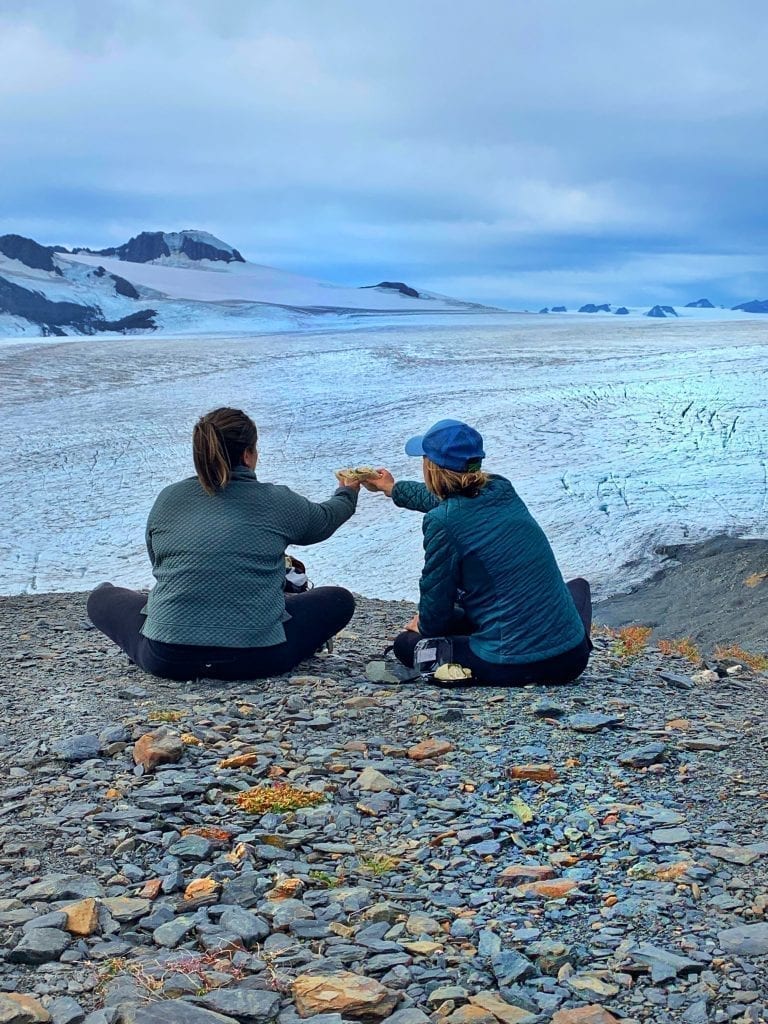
[(490, 580)]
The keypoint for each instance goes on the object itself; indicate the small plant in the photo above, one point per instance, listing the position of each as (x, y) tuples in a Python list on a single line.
[(190, 740), (631, 641), (326, 880), (166, 716), (378, 864), (757, 662), (151, 975), (277, 799), (682, 648)]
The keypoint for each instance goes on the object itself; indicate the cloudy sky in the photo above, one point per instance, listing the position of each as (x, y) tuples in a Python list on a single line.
[(524, 152)]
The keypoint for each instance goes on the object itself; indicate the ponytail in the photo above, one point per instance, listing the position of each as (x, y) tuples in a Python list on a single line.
[(218, 442)]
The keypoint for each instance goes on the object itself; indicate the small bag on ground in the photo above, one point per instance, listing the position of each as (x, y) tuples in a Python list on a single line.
[(296, 579)]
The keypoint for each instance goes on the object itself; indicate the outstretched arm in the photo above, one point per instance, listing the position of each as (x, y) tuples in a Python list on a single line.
[(317, 521), (405, 493)]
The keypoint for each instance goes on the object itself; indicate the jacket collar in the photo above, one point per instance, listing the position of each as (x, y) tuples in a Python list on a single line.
[(242, 472)]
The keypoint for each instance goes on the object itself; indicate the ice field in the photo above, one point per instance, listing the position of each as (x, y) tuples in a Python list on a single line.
[(618, 435)]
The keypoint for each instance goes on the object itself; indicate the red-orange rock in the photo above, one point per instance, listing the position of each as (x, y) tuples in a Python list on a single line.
[(592, 1014), (285, 889), (151, 888), (158, 747), (82, 917), (429, 748), (239, 761), (549, 889), (346, 993), (501, 1010), (533, 772), (14, 1006), (517, 873)]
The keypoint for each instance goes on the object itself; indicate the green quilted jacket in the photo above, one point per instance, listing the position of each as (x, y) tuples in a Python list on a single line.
[(489, 555), (219, 560)]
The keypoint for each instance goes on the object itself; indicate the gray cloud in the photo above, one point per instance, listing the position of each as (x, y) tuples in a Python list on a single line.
[(500, 149)]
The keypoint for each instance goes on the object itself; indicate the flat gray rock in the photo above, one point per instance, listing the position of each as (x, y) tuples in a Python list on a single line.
[(665, 836), (642, 757), (252, 1006), (746, 939), (663, 964), (40, 946)]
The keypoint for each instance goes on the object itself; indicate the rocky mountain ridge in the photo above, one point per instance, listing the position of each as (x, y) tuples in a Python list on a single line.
[(185, 282)]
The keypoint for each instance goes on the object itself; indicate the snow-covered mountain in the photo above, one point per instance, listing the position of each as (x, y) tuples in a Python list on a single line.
[(186, 282)]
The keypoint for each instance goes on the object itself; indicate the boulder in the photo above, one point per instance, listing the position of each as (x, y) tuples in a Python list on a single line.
[(348, 994), (158, 747)]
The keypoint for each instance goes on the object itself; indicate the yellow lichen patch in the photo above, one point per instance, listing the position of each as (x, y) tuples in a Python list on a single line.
[(756, 579), (113, 794), (166, 716), (277, 799), (190, 740), (673, 871), (757, 662), (215, 835), (378, 863), (237, 855)]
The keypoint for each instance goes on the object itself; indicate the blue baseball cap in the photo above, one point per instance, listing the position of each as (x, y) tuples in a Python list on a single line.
[(450, 444)]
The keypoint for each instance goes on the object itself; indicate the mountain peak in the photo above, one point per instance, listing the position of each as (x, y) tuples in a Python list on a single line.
[(149, 246)]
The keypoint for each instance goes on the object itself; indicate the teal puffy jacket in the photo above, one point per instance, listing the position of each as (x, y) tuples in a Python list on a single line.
[(489, 555)]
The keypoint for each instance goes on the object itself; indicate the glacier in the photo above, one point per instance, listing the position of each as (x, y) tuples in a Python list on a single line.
[(620, 436)]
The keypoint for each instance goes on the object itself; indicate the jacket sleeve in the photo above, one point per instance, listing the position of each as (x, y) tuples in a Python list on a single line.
[(413, 495), (317, 521), (439, 579), (148, 534)]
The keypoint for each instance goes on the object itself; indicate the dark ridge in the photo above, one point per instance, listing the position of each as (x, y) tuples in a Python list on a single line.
[(29, 252), (755, 306), (203, 251), (38, 309), (149, 245), (592, 308), (545, 310), (395, 286), (52, 316), (152, 245), (559, 309), (123, 287), (142, 320), (661, 311), (621, 311), (700, 304)]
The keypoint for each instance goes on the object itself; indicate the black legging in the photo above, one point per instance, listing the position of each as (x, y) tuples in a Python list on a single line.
[(563, 668), (316, 616)]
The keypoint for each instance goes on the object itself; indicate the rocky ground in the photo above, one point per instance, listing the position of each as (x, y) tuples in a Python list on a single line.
[(592, 853), (715, 592)]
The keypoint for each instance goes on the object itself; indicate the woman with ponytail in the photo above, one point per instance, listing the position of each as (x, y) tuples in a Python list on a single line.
[(217, 545)]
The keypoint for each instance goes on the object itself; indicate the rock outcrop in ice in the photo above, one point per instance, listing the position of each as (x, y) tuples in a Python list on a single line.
[(149, 246)]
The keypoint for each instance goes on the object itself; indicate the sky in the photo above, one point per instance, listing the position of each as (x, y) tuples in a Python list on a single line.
[(517, 152)]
